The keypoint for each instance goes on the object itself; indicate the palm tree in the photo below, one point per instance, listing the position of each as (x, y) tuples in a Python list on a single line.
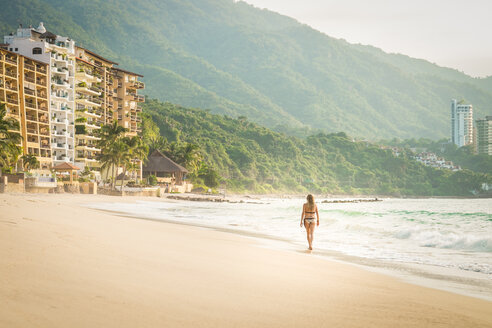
[(9, 140), (30, 162), (157, 143), (111, 147), (189, 155), (137, 151), (113, 156)]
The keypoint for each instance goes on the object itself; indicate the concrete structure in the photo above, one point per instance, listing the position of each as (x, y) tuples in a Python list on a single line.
[(76, 89), (461, 123), (59, 53), (127, 103), (24, 90), (91, 106), (484, 135)]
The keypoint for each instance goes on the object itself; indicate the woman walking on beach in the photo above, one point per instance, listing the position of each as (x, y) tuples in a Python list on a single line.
[(308, 211)]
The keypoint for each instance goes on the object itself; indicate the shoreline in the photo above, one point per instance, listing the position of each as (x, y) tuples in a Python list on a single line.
[(60, 259), (439, 278), (330, 196)]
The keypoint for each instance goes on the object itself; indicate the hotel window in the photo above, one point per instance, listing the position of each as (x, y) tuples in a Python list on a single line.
[(36, 51)]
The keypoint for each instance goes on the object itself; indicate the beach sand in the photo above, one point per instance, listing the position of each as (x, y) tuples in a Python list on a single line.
[(63, 265)]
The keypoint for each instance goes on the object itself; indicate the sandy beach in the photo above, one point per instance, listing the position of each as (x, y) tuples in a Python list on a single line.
[(64, 265)]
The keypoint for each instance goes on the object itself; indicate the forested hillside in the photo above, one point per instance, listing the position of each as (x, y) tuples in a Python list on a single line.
[(238, 60), (249, 157)]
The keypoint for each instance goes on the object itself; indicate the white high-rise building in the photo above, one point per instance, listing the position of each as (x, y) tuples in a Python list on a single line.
[(461, 124), (59, 53)]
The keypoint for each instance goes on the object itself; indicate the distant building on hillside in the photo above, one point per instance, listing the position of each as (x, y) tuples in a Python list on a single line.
[(432, 160), (461, 123), (484, 135)]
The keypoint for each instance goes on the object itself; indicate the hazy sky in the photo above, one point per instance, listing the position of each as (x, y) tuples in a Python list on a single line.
[(452, 33)]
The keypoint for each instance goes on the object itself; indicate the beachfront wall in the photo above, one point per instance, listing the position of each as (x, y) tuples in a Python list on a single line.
[(12, 183)]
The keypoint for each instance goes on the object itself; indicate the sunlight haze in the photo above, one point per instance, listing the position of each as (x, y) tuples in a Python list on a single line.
[(449, 33)]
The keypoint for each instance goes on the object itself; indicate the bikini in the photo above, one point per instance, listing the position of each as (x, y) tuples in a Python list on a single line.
[(309, 220)]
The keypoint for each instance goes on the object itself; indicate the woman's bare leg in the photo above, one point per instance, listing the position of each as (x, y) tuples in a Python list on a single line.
[(311, 234), (308, 228)]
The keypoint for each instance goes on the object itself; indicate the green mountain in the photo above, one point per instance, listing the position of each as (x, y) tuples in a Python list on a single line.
[(250, 157), (235, 59)]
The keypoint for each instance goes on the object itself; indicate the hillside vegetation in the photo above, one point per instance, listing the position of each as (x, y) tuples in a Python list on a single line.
[(238, 60), (248, 157)]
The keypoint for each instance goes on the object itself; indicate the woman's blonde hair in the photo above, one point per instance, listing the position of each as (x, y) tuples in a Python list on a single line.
[(310, 200)]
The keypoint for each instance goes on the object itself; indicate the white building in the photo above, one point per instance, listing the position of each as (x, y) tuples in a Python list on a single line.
[(461, 124), (59, 53)]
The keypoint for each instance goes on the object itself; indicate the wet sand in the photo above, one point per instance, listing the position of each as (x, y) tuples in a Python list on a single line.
[(63, 265)]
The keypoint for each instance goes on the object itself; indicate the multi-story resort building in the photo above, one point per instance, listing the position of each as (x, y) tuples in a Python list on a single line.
[(24, 90), (85, 92), (128, 100), (59, 53), (92, 108), (461, 124), (484, 135)]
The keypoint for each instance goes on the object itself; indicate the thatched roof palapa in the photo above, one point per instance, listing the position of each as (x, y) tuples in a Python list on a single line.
[(158, 162)]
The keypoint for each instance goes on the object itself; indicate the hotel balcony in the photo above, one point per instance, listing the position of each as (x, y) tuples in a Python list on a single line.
[(31, 118), (62, 159), (12, 100), (86, 112), (60, 96), (87, 147), (41, 81), (12, 60), (87, 76), (59, 58), (59, 121), (32, 130), (13, 111), (41, 69), (88, 101), (136, 97), (11, 73), (88, 90), (41, 93), (92, 125), (88, 125), (29, 79), (60, 83), (31, 104), (60, 71), (65, 109), (29, 92), (11, 87), (88, 136), (62, 134), (44, 131), (136, 84), (30, 67), (59, 146)]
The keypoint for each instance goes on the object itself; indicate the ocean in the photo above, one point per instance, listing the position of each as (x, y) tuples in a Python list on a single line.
[(440, 243)]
